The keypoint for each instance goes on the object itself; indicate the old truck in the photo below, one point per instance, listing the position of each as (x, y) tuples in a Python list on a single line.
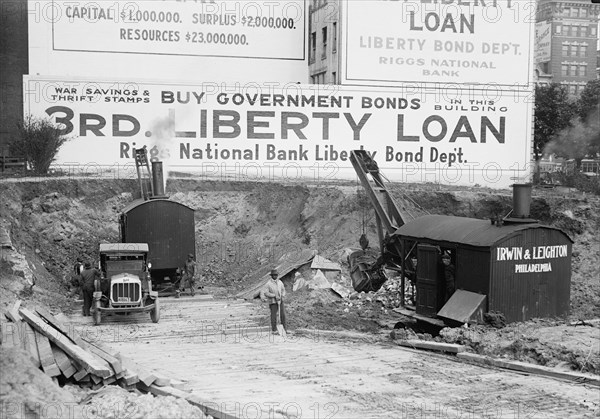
[(126, 284)]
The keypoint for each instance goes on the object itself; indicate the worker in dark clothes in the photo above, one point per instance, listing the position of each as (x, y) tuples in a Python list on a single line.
[(88, 276), (449, 271), (189, 273)]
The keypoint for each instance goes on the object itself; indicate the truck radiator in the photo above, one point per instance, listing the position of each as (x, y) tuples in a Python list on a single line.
[(125, 293)]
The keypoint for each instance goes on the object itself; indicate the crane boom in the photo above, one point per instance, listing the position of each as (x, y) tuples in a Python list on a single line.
[(367, 275)]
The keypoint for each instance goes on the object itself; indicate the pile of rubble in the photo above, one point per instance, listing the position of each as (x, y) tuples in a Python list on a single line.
[(389, 295), (70, 359)]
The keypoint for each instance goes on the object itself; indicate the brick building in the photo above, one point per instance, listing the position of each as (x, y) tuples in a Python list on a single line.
[(574, 39)]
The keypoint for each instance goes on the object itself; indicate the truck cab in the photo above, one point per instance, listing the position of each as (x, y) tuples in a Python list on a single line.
[(126, 284)]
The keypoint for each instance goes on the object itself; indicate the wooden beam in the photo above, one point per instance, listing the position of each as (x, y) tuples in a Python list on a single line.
[(54, 322), (63, 362), (432, 346), (29, 334), (92, 363), (46, 355), (97, 349), (81, 375), (13, 312), (143, 375), (532, 369)]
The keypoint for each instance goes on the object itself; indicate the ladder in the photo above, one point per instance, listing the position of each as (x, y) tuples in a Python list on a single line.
[(143, 171)]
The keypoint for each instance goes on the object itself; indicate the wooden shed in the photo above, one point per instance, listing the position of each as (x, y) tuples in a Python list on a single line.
[(169, 229), (522, 270)]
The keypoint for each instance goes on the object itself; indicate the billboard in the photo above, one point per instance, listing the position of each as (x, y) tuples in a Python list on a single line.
[(390, 43), (543, 41), (170, 40), (454, 135)]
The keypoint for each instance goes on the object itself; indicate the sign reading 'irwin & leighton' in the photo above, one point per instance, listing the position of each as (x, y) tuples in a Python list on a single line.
[(539, 255)]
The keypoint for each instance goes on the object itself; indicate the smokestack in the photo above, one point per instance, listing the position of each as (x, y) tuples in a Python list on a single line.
[(521, 200), (157, 180)]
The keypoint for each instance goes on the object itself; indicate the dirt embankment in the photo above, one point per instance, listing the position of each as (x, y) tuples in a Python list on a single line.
[(242, 229)]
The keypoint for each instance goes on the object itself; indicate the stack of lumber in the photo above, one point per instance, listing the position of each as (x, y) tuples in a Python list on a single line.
[(69, 358)]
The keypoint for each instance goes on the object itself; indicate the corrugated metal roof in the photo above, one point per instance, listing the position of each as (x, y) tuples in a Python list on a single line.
[(140, 202), (462, 230), (123, 247)]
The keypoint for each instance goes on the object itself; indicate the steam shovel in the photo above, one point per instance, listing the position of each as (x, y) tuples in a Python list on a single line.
[(280, 327)]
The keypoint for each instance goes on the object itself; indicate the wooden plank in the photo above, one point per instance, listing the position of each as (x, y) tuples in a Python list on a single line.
[(91, 362), (13, 312), (129, 378), (46, 355), (63, 362), (109, 380), (143, 375), (433, 346), (54, 322), (97, 349), (531, 369), (29, 334), (80, 375)]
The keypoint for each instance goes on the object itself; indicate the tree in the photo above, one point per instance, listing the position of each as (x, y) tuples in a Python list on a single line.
[(553, 113), (38, 142)]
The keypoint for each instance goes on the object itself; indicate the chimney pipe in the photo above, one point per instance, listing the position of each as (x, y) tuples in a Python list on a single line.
[(521, 200), (157, 179)]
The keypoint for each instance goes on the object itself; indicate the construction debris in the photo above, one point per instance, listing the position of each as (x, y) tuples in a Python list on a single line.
[(69, 357)]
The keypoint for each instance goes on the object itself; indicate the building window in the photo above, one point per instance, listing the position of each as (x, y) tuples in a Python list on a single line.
[(573, 70), (558, 29), (567, 30), (573, 51), (564, 70), (313, 47), (574, 11), (565, 50), (572, 89), (566, 11), (333, 77), (334, 34), (584, 12), (593, 31), (582, 50), (324, 53), (582, 70), (318, 78)]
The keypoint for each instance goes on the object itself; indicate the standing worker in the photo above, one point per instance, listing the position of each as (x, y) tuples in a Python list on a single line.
[(88, 276), (188, 277), (274, 291)]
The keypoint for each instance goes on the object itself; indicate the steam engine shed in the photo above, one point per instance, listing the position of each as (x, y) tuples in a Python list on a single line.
[(522, 270)]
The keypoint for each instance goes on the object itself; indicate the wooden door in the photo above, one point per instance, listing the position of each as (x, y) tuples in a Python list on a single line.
[(430, 287)]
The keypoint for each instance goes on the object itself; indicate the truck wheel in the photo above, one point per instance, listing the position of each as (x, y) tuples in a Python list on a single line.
[(97, 313), (155, 312)]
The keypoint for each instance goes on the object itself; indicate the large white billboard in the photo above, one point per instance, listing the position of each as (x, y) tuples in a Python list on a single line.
[(390, 43), (300, 131), (231, 41)]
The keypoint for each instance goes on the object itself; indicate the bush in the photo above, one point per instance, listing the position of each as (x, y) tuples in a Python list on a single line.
[(583, 183), (38, 142)]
